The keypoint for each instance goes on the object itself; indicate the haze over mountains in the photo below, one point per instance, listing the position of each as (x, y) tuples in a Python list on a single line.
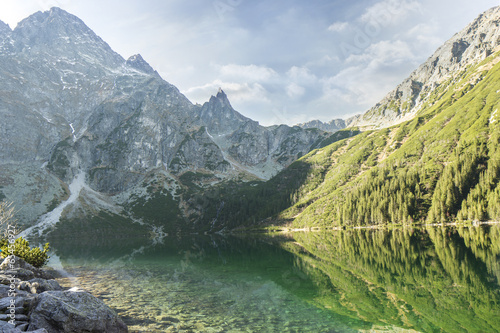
[(86, 131)]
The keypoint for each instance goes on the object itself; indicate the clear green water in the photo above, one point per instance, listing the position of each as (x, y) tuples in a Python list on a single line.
[(426, 280)]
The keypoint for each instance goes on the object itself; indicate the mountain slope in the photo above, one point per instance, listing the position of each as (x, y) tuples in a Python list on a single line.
[(331, 126), (73, 106), (473, 44), (443, 165)]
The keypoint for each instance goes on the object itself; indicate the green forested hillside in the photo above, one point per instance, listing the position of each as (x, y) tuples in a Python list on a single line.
[(443, 165)]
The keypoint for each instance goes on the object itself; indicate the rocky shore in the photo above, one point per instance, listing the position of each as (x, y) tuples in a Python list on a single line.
[(32, 301)]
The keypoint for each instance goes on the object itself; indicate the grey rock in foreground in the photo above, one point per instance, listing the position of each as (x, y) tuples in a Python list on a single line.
[(73, 311), (8, 328), (41, 304), (21, 266)]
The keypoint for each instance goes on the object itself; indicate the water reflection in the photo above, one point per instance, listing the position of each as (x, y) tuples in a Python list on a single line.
[(428, 280)]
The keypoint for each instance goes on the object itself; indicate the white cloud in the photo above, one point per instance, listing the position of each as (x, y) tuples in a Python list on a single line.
[(326, 60), (300, 80), (249, 73), (294, 90), (391, 12), (384, 52), (302, 74), (338, 26), (424, 37), (237, 92), (368, 77)]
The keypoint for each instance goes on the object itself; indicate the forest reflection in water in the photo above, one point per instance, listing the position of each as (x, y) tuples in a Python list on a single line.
[(431, 279), (426, 279)]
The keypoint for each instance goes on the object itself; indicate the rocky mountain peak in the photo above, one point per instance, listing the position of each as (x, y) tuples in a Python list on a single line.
[(478, 40), (221, 97), (221, 105), (60, 34), (331, 126), (219, 115), (4, 28), (5, 32), (137, 62), (55, 21)]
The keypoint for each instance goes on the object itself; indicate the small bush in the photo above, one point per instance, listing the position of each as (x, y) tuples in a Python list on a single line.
[(34, 256)]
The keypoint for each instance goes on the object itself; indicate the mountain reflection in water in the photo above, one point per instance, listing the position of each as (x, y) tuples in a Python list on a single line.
[(417, 279)]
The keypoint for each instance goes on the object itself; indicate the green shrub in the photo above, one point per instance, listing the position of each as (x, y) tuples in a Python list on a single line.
[(34, 256)]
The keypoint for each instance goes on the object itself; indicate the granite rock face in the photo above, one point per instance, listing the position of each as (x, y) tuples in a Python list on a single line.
[(263, 151), (330, 126), (72, 105)]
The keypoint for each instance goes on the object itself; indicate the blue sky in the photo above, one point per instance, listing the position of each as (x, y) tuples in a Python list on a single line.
[(280, 61)]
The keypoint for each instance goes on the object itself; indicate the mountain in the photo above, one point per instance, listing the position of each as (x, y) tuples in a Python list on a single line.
[(87, 133), (441, 165), (470, 46), (331, 126), (476, 42)]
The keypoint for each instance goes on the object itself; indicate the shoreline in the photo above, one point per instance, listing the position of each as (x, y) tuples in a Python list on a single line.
[(36, 302), (286, 230)]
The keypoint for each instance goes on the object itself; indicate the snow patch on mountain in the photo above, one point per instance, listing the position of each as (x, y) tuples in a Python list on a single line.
[(51, 218)]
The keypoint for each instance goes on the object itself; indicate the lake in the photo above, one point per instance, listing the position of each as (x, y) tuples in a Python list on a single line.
[(434, 279)]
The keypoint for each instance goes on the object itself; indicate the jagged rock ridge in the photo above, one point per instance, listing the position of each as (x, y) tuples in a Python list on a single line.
[(330, 126)]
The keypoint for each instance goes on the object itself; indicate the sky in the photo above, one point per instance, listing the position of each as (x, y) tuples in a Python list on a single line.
[(280, 61)]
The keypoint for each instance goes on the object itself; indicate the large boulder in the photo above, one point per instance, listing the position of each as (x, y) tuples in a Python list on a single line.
[(73, 311), (38, 286), (8, 328), (41, 306), (22, 270)]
